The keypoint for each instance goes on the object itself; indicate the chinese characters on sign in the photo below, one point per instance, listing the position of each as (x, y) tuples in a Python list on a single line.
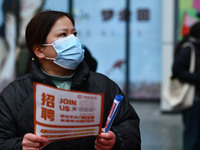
[(62, 114), (143, 14), (47, 106)]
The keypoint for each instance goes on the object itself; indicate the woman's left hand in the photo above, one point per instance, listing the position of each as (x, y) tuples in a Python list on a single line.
[(105, 141)]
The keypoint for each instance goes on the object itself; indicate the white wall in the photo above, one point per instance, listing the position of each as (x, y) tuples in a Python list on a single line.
[(167, 46)]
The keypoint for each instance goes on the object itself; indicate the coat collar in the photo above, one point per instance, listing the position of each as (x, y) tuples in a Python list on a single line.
[(81, 74)]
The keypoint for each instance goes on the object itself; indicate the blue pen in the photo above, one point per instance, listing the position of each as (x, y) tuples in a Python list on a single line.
[(113, 112)]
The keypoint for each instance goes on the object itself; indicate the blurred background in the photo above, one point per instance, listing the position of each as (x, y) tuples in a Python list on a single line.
[(132, 42)]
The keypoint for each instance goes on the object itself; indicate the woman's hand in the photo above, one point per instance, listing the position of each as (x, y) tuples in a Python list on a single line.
[(105, 141), (33, 142)]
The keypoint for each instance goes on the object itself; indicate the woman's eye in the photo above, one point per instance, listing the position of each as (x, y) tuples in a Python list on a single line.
[(75, 34), (63, 34)]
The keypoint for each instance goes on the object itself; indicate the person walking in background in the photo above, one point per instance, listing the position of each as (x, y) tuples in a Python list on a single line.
[(15, 58), (58, 62), (180, 69)]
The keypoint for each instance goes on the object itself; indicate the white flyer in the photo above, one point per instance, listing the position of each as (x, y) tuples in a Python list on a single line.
[(62, 114)]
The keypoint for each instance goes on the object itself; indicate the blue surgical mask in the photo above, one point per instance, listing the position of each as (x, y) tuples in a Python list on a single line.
[(70, 52)]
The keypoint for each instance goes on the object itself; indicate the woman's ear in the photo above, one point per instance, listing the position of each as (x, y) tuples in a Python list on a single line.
[(37, 49)]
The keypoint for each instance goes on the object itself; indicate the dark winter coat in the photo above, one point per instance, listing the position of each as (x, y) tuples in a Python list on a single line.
[(181, 66), (16, 111)]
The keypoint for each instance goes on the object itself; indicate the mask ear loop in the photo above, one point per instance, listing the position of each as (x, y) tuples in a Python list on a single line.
[(48, 57)]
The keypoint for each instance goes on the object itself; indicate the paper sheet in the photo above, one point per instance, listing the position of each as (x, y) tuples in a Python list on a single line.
[(62, 114)]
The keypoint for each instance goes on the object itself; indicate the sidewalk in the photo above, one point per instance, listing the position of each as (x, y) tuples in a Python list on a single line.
[(158, 131)]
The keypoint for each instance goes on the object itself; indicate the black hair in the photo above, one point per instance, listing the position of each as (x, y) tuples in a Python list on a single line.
[(194, 32), (40, 26)]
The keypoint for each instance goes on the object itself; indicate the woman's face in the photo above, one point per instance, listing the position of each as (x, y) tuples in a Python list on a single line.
[(63, 27), (28, 8)]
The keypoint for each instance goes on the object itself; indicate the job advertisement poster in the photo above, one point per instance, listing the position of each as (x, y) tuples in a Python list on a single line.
[(62, 114), (188, 14)]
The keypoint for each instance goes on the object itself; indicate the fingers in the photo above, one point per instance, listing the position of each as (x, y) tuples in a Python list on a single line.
[(33, 142), (100, 147), (107, 136), (105, 141)]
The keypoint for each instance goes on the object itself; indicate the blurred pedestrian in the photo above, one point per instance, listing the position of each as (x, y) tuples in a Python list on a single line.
[(191, 116)]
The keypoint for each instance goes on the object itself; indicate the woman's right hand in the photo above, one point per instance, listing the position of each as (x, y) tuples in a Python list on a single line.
[(33, 142)]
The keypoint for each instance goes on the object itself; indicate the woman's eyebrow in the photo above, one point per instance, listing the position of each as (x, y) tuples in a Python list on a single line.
[(65, 29)]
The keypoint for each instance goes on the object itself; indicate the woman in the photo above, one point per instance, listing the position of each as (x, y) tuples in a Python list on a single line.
[(15, 59), (191, 116), (63, 68)]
